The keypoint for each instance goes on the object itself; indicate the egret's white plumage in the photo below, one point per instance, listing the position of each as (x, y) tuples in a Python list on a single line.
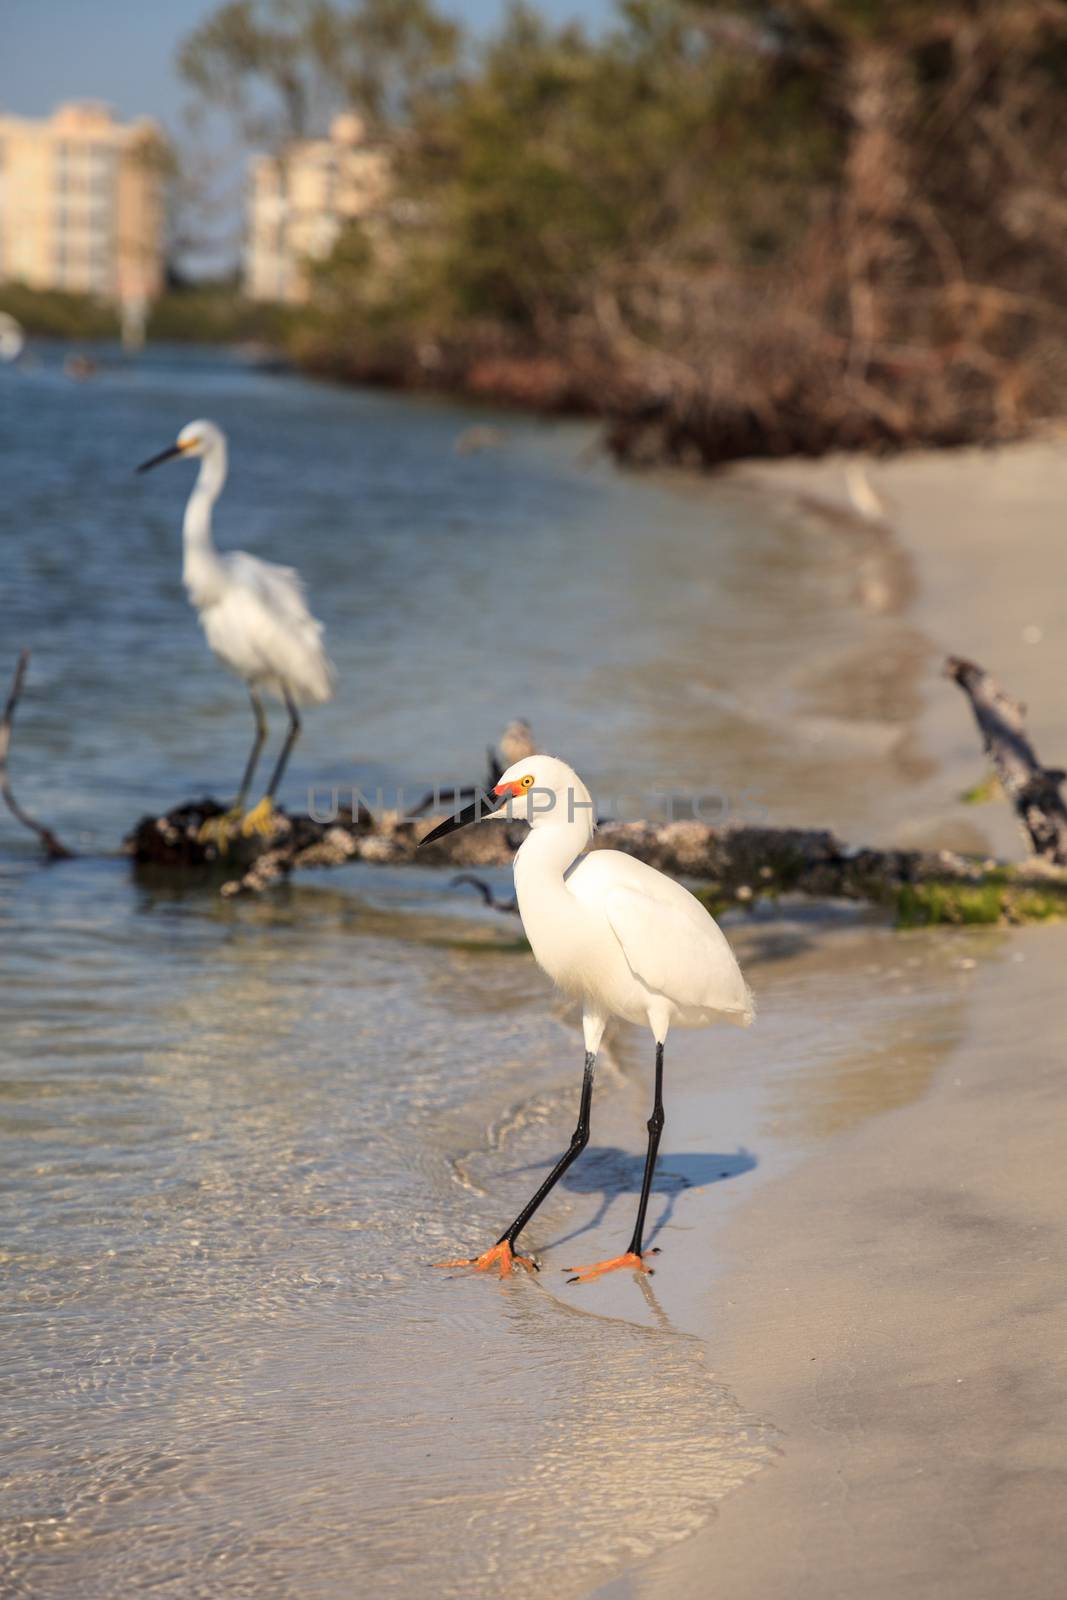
[(617, 935), (609, 929), (254, 613), (12, 338)]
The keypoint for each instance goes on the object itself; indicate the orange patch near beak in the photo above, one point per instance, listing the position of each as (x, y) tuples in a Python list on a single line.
[(513, 789)]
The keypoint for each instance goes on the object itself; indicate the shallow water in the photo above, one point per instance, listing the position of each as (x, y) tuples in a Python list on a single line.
[(232, 1135)]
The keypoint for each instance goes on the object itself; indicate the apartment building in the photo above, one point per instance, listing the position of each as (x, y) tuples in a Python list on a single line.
[(299, 200), (82, 204)]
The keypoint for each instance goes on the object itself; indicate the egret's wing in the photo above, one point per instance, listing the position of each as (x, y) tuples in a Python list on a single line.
[(279, 589), (677, 949), (276, 624)]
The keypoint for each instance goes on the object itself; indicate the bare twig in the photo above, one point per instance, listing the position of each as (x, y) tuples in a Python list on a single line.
[(463, 879), (1034, 790), (53, 848)]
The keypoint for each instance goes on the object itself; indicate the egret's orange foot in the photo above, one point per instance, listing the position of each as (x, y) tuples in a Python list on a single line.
[(501, 1256), (635, 1263), (221, 829), (262, 819)]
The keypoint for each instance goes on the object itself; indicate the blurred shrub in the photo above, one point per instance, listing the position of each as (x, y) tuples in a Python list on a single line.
[(51, 313), (217, 314), (738, 226)]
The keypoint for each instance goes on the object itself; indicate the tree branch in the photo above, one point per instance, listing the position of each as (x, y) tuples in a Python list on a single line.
[(733, 865), (1034, 790), (53, 848)]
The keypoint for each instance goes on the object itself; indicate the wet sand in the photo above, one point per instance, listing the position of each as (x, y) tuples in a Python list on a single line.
[(896, 1310), (895, 1307)]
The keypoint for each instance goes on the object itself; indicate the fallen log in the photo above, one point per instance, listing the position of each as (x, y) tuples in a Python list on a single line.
[(740, 865), (1033, 789), (733, 864)]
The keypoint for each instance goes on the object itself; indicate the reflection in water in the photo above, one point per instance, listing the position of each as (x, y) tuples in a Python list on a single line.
[(232, 1135)]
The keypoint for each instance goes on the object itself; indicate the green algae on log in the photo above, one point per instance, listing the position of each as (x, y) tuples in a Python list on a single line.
[(1000, 897)]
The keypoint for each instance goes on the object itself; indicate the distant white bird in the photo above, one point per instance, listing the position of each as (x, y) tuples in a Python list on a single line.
[(866, 501), (516, 741), (12, 338), (254, 615), (617, 935)]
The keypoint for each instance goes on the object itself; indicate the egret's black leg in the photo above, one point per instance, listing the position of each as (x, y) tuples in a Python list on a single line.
[(290, 739), (632, 1260), (254, 753), (655, 1128), (502, 1254), (579, 1140)]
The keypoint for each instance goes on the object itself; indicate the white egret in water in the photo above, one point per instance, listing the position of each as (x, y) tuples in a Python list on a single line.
[(12, 338), (618, 936), (255, 617)]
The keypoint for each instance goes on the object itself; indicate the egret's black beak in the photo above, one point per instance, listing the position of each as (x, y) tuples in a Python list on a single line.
[(157, 461), (482, 806)]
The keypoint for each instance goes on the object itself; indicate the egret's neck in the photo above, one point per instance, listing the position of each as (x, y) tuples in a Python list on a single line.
[(544, 858), (201, 569)]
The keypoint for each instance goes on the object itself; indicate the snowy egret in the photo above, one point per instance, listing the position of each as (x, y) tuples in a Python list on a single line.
[(615, 934), (12, 338), (516, 742), (255, 617)]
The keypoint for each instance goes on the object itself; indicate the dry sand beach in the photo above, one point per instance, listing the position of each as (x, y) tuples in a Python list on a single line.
[(895, 1308), (898, 1314)]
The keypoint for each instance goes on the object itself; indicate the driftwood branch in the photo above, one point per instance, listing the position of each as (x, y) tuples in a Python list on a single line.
[(1034, 790), (54, 849), (739, 865), (176, 841), (470, 880), (733, 865)]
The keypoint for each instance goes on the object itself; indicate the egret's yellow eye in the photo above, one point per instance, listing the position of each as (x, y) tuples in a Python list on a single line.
[(527, 782)]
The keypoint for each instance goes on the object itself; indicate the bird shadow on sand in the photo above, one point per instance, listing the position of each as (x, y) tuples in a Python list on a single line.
[(609, 1172)]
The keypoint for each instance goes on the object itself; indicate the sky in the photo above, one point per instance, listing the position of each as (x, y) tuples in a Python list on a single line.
[(122, 51)]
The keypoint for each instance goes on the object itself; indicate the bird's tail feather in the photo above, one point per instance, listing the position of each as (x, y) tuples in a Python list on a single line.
[(745, 1016)]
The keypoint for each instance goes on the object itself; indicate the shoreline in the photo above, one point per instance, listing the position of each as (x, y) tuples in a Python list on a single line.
[(969, 551), (903, 1341), (634, 431), (889, 1305)]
